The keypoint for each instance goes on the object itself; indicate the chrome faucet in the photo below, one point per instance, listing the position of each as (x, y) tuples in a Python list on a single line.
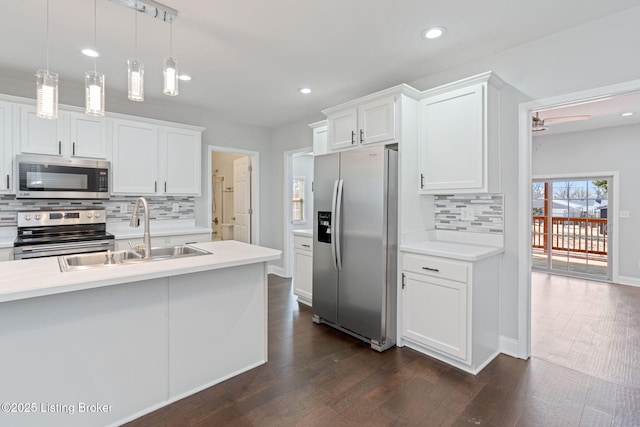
[(135, 222)]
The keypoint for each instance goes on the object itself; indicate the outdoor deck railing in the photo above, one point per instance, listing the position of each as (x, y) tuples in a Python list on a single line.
[(572, 234)]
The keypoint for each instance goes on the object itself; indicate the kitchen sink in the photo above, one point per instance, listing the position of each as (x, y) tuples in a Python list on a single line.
[(112, 258)]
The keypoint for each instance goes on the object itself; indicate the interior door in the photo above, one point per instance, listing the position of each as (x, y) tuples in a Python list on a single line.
[(242, 199)]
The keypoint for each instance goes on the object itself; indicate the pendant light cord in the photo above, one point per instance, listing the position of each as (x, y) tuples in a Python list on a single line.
[(171, 39), (47, 36), (95, 34), (135, 31)]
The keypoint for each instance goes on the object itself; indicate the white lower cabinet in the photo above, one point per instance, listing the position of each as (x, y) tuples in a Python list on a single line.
[(303, 268), (450, 309)]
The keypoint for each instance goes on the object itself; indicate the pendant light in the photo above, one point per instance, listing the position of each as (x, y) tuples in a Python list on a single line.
[(93, 80), (170, 68), (135, 68), (47, 87)]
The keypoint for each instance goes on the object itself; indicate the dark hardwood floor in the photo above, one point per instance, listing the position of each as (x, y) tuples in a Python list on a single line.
[(317, 376)]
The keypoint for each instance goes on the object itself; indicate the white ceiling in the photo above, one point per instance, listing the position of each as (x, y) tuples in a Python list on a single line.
[(248, 57)]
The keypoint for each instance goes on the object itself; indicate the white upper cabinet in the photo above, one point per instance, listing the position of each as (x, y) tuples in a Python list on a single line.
[(319, 130), (180, 162), (40, 136), (459, 138), (87, 135), (342, 128), (72, 134), (134, 160), (369, 121), (150, 159), (6, 147), (377, 121)]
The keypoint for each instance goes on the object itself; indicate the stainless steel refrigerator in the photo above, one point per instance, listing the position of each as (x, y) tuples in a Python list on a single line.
[(355, 243)]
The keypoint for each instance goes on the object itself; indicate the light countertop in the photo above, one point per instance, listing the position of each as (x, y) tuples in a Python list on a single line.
[(30, 278), (122, 230), (454, 245), (460, 251), (306, 233)]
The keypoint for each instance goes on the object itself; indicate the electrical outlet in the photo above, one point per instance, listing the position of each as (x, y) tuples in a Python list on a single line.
[(176, 207), (468, 214), (123, 208), (624, 214)]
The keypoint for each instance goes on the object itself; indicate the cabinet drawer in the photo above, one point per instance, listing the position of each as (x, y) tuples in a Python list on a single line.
[(436, 267), (302, 242)]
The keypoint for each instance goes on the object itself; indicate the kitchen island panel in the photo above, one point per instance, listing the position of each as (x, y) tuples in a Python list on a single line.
[(105, 346), (217, 329)]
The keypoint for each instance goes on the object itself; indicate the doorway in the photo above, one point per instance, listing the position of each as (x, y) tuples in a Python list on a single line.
[(570, 228), (298, 199), (233, 194), (529, 149)]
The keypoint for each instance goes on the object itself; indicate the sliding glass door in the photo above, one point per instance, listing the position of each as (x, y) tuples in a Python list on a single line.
[(570, 232)]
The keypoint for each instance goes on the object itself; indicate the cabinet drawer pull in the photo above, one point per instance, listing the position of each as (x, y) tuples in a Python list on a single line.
[(306, 246), (431, 269), (353, 136)]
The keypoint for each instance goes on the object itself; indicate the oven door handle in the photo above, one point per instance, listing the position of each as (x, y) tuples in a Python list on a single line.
[(66, 246)]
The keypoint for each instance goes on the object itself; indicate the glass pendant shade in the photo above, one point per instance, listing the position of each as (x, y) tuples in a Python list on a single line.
[(170, 76), (94, 93), (46, 94), (136, 80)]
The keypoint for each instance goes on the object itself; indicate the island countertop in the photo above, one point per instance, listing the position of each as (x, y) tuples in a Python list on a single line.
[(30, 278)]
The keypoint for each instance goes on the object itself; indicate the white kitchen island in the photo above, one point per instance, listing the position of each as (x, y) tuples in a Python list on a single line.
[(106, 345)]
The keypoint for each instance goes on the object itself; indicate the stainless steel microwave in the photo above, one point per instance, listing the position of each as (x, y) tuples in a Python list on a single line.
[(51, 177)]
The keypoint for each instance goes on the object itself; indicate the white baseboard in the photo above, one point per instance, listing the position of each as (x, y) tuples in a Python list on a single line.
[(626, 280), (509, 346), (274, 269)]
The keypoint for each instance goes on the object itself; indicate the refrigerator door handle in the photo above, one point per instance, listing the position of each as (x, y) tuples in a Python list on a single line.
[(333, 225), (338, 223)]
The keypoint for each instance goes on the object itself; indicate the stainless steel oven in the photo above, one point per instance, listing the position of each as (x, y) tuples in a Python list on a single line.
[(47, 233), (52, 177)]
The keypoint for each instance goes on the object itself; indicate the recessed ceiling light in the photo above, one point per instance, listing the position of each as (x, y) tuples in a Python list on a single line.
[(184, 77), (626, 114), (90, 53), (304, 90), (434, 32)]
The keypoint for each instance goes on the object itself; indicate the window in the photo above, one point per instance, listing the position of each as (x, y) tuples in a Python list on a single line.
[(297, 200)]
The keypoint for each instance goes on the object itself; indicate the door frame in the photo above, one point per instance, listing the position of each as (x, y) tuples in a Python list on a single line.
[(525, 142), (612, 220), (287, 240), (255, 187)]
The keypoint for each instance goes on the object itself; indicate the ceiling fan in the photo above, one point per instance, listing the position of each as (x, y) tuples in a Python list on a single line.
[(538, 124)]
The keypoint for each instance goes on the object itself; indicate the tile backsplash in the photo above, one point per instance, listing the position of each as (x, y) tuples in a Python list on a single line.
[(488, 210), (160, 207)]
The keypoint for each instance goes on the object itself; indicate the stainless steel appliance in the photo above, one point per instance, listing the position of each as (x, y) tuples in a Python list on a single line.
[(47, 233), (52, 177), (355, 243)]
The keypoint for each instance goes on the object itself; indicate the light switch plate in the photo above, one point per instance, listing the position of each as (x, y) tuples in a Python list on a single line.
[(123, 208), (176, 207), (624, 214)]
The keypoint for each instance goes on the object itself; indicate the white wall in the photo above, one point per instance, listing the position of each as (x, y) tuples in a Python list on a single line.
[(600, 150)]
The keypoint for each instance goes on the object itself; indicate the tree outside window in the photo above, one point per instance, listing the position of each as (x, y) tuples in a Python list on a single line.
[(297, 200)]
